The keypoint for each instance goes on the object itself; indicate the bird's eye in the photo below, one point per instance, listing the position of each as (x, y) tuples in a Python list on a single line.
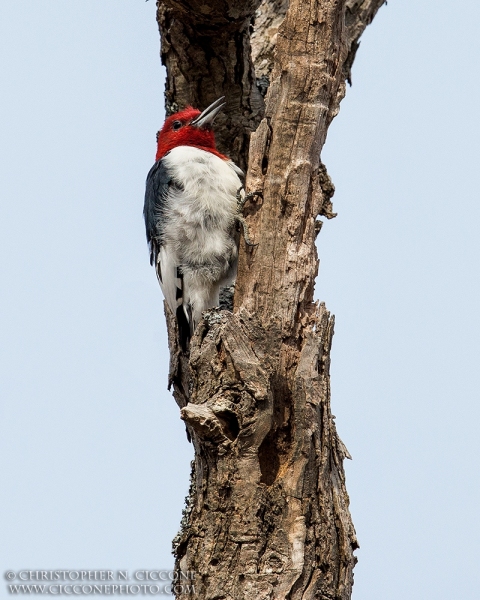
[(176, 125)]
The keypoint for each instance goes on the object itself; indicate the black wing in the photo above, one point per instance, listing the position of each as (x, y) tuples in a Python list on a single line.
[(158, 181)]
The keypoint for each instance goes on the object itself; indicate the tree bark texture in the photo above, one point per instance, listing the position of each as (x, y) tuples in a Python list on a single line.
[(267, 515)]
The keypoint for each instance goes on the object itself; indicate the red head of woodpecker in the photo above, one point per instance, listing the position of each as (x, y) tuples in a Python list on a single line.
[(190, 127), (191, 215)]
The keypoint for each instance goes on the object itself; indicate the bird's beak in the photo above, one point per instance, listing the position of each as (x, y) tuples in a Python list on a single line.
[(208, 115)]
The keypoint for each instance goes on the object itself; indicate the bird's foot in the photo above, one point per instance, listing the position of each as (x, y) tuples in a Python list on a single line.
[(242, 200)]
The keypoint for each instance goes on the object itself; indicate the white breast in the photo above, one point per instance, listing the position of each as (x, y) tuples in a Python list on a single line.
[(198, 223)]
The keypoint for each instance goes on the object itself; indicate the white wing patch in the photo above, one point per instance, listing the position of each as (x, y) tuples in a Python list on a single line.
[(169, 279)]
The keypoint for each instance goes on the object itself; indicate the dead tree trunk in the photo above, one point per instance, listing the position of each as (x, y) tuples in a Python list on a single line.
[(267, 515)]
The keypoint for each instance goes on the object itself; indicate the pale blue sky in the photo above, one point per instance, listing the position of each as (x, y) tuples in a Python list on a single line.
[(95, 459)]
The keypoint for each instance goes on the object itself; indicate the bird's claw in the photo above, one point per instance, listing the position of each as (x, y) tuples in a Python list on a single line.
[(241, 201)]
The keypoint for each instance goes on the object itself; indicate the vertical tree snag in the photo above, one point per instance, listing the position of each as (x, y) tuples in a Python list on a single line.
[(267, 515)]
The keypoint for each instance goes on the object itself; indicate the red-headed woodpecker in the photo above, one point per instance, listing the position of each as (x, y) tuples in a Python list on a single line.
[(192, 207)]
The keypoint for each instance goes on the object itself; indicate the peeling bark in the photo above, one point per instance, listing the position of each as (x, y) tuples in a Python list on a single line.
[(267, 515)]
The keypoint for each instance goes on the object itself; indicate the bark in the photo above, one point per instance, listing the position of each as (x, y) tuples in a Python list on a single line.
[(267, 515)]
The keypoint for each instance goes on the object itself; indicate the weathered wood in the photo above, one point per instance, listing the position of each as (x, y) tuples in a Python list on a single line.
[(267, 515), (268, 18), (284, 164)]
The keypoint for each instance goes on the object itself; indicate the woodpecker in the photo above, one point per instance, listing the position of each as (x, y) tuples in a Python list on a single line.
[(193, 203)]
